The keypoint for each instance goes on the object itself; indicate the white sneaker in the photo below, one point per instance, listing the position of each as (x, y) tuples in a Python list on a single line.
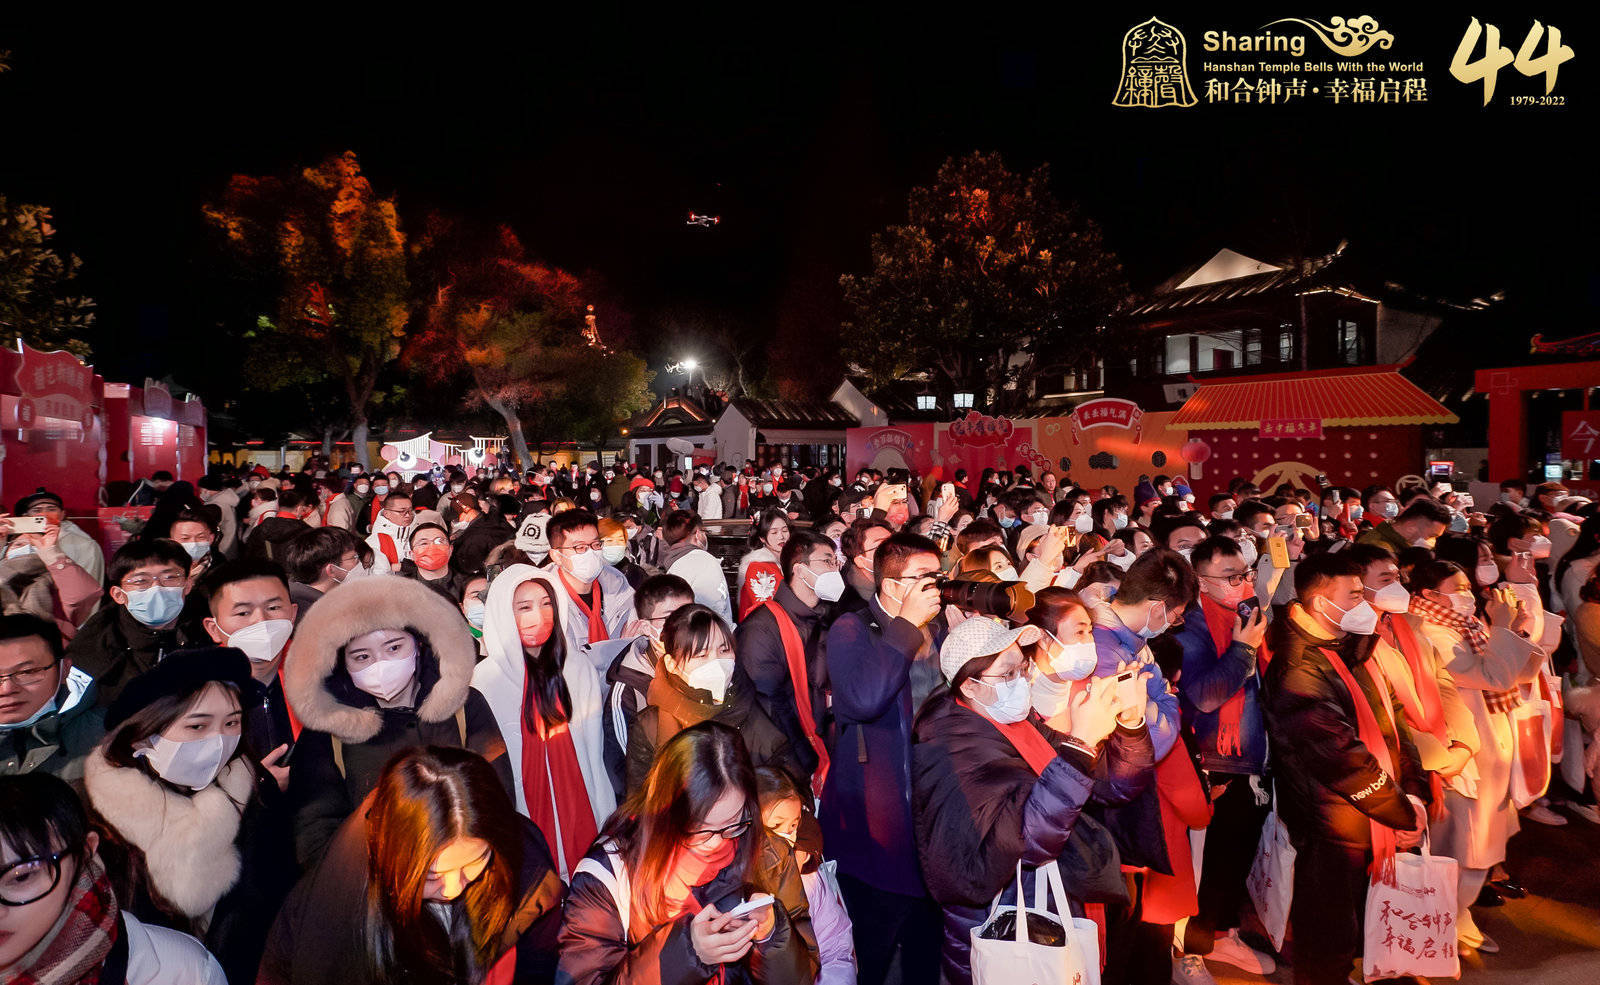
[(1544, 815), (1229, 949), (1589, 812), (1190, 969), (1468, 934)]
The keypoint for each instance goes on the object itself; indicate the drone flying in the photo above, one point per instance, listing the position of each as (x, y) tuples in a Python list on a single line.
[(707, 221)]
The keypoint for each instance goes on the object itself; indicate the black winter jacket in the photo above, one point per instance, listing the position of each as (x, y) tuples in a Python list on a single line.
[(114, 648), (762, 659)]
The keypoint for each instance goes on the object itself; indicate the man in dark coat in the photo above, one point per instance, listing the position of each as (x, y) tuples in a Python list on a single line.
[(1331, 786), (810, 569), (48, 718), (271, 537), (485, 531), (149, 579), (866, 811)]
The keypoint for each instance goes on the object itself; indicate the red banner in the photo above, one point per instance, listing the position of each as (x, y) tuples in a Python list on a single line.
[(980, 429), (1294, 428), (53, 386), (1580, 435), (1108, 412)]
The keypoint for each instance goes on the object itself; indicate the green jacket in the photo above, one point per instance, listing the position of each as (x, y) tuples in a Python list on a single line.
[(1386, 536), (58, 742)]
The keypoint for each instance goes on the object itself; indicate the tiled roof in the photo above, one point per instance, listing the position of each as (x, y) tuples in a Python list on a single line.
[(795, 413), (1234, 289), (1338, 398)]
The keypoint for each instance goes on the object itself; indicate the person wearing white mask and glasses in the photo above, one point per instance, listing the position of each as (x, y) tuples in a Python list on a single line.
[(596, 600), (782, 648), (149, 581), (187, 815), (379, 665)]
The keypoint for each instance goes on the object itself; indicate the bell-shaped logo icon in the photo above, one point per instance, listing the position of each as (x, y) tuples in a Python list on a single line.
[(1154, 72)]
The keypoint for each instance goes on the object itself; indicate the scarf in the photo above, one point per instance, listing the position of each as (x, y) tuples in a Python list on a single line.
[(596, 615), (794, 653), (1024, 738), (552, 785), (1419, 696), (1220, 620), (1384, 841), (1470, 628), (76, 947)]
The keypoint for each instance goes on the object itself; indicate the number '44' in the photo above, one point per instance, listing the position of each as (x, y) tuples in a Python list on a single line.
[(1468, 70)]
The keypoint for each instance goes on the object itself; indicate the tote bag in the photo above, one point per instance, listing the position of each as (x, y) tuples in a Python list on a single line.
[(1271, 878), (1531, 725), (1411, 922), (1016, 959)]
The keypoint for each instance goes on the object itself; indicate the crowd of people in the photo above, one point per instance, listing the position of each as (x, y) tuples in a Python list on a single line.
[(333, 726)]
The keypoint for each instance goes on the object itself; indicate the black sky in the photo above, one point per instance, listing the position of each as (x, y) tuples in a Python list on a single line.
[(594, 140)]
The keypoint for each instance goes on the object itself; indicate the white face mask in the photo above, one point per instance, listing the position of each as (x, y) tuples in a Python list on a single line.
[(1007, 573), (193, 764), (1488, 573), (1121, 520), (197, 551), (263, 641), (585, 566), (1463, 603), (613, 553), (829, 586), (475, 612), (1187, 552), (1012, 700), (1039, 517), (1360, 619), (1224, 514), (1073, 661), (1124, 560), (1392, 597), (713, 676), (1154, 625), (386, 679), (1539, 546), (1423, 542), (1391, 510), (1083, 523)]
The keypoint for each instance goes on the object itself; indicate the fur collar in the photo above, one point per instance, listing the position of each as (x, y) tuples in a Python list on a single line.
[(173, 831), (356, 608)]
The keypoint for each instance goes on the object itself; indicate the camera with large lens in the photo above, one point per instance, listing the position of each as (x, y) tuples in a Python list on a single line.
[(1006, 599)]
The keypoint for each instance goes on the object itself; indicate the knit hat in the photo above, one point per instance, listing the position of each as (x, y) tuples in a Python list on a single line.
[(1143, 493), (980, 636), (180, 672)]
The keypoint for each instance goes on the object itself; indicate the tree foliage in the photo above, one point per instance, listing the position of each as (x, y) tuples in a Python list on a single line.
[(340, 293), (36, 301), (990, 283)]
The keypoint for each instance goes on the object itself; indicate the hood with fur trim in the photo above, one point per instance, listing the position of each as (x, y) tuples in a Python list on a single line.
[(366, 605)]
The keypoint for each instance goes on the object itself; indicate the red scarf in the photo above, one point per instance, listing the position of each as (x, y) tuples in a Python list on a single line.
[(794, 653), (596, 616), (689, 872), (1383, 837), (75, 948), (552, 784), (1220, 620), (1420, 701), (1443, 615), (386, 544)]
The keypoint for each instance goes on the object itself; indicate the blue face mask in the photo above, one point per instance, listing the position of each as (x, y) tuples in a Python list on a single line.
[(1009, 522), (197, 551), (156, 605)]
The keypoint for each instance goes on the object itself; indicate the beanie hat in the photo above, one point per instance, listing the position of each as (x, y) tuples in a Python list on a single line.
[(181, 672)]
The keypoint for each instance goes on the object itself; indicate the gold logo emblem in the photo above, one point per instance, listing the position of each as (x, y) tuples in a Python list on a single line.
[(1349, 39), (1154, 72)]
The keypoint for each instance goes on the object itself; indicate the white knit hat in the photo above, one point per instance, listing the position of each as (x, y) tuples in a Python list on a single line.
[(980, 636)]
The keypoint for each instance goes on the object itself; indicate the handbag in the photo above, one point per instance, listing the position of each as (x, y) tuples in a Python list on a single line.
[(1040, 947), (1271, 878), (1410, 924), (1531, 725)]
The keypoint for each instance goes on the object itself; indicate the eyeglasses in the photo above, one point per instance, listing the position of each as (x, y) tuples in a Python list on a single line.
[(26, 678), (1018, 671), (829, 562), (408, 511), (30, 879), (704, 837), (1238, 579), (139, 583), (593, 545)]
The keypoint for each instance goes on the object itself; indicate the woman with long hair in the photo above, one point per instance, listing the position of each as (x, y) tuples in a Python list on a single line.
[(759, 571), (193, 832), (1489, 657), (651, 903), (548, 702), (436, 880), (695, 682), (60, 921)]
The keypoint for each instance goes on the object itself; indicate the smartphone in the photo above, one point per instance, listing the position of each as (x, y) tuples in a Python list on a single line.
[(1129, 693), (947, 491), (1278, 551), (1248, 607), (28, 524), (757, 902)]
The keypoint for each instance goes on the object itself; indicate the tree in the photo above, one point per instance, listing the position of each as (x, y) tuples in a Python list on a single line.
[(335, 255), (989, 284), (604, 389), (36, 305)]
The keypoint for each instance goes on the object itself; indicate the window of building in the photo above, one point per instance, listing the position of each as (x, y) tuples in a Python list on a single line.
[(1285, 343), (1350, 348), (1252, 347)]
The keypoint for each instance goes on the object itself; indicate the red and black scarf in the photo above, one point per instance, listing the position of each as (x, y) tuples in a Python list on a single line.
[(1470, 627), (76, 948)]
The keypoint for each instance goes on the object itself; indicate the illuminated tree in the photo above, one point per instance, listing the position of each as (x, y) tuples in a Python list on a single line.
[(35, 303), (334, 254), (989, 284)]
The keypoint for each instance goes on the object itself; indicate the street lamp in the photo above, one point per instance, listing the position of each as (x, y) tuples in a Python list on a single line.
[(925, 401), (963, 400)]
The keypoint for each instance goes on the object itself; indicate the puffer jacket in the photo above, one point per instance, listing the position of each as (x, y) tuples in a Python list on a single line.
[(58, 742), (596, 951), (1329, 784), (114, 648), (674, 706), (980, 809), (346, 738), (1208, 682)]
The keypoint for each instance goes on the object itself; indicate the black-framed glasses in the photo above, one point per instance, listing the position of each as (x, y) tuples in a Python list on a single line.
[(26, 678), (700, 839), (1238, 579), (30, 879)]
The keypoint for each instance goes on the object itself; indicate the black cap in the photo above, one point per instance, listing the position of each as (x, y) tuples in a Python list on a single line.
[(180, 672), (40, 496)]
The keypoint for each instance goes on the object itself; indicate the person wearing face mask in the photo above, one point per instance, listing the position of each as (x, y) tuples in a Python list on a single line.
[(249, 609), (1151, 599), (149, 581), (350, 508), (759, 572), (316, 561), (614, 538), (547, 696), (1222, 506), (471, 886), (782, 646), (979, 742), (1420, 524), (787, 818), (1350, 787), (430, 558), (1219, 692), (684, 554), (596, 600), (472, 604), (695, 682), (379, 665), (194, 833), (289, 517), (38, 577), (48, 718), (1490, 659), (391, 529)]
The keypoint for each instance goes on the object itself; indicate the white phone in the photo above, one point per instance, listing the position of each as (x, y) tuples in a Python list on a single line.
[(1130, 690), (29, 524), (751, 905)]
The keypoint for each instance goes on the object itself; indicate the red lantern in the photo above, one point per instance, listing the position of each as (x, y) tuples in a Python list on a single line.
[(1195, 452)]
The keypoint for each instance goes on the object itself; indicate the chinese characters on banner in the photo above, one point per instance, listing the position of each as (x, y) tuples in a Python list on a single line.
[(1303, 428), (57, 391), (1580, 435)]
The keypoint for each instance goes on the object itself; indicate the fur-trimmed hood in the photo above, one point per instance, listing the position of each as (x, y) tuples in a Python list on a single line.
[(362, 606)]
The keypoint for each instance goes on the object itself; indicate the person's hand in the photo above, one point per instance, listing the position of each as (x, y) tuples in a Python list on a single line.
[(1094, 711), (1251, 632), (1477, 519), (1460, 756), (1522, 619), (947, 509), (883, 497), (279, 773), (719, 939), (766, 920), (955, 616), (1217, 790), (1405, 840), (1131, 716), (922, 603), (1296, 543), (639, 627), (1499, 609), (1051, 545)]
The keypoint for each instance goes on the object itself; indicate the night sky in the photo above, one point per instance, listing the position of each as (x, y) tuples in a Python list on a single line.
[(595, 140)]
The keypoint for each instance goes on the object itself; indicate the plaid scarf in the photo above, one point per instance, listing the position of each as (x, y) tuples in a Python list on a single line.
[(1470, 627), (74, 950)]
